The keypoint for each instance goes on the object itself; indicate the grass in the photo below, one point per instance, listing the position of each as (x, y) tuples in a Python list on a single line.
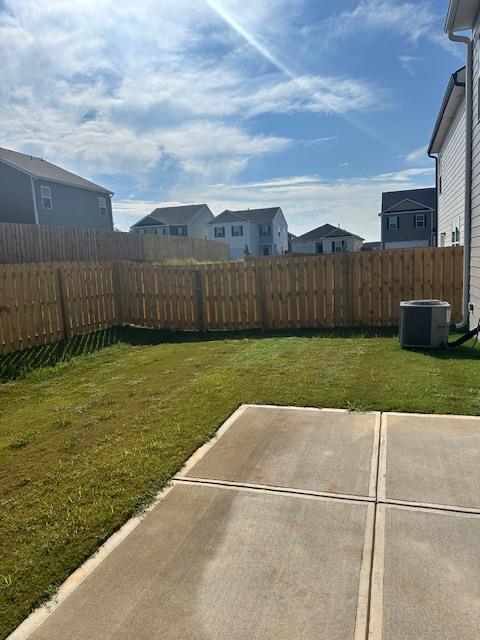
[(88, 440)]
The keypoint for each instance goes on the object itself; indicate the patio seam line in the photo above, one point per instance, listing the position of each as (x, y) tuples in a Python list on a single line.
[(291, 491), (430, 507)]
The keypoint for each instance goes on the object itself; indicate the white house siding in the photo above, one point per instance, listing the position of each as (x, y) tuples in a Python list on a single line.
[(475, 243), (451, 169), (198, 226), (237, 243)]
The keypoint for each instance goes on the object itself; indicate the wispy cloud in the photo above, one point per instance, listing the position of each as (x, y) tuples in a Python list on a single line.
[(408, 62), (94, 86)]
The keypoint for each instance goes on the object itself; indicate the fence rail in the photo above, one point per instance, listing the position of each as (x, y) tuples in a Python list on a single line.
[(42, 303), (43, 243)]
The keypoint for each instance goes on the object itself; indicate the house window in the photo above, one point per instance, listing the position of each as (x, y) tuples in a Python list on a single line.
[(338, 246), (102, 206), (237, 230), (456, 231), (419, 220), (46, 195), (393, 223), (178, 231), (219, 232), (265, 230), (265, 251), (319, 247)]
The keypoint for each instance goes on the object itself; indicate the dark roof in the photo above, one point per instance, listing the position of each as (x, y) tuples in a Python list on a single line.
[(181, 215), (258, 216), (227, 216), (426, 197), (327, 231), (40, 168), (454, 94)]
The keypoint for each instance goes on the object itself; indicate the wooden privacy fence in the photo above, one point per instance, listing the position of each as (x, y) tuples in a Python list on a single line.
[(41, 303), (42, 243)]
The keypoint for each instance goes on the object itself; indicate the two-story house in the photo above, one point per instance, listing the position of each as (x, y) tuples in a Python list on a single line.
[(34, 191), (455, 143), (408, 218), (447, 145), (254, 232), (326, 239), (189, 220)]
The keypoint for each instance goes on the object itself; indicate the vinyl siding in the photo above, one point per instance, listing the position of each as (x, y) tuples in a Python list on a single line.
[(475, 244), (451, 168), (16, 201)]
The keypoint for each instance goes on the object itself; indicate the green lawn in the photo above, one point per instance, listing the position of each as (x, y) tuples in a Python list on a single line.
[(86, 443)]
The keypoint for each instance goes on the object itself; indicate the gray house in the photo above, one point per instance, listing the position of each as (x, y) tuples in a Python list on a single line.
[(188, 220), (34, 191), (255, 232), (327, 239), (409, 218)]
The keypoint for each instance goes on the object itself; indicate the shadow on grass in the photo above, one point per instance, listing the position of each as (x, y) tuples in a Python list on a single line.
[(20, 363)]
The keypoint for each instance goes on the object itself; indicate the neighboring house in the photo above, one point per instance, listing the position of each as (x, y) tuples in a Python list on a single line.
[(463, 25), (448, 146), (34, 191), (371, 246), (189, 220), (327, 239), (408, 218), (254, 232), (291, 237)]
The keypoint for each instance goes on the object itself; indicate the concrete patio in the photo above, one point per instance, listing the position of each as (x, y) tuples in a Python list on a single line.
[(295, 523)]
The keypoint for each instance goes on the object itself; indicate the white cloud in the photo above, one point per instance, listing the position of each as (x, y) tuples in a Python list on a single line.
[(307, 200), (410, 19), (113, 87), (417, 155), (408, 62)]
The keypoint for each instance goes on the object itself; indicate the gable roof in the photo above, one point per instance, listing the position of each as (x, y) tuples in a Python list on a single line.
[(257, 216), (227, 216), (454, 94), (179, 215), (39, 168), (407, 205), (426, 198), (326, 231)]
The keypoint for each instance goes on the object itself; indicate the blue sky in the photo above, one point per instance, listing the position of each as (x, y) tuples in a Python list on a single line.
[(316, 106)]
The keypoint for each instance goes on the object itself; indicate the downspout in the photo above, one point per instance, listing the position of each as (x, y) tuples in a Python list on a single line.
[(435, 242), (467, 225)]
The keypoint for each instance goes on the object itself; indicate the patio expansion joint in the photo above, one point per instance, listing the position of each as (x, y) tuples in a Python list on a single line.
[(291, 491)]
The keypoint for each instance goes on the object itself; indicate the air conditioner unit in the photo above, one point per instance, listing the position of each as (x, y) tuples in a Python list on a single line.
[(424, 323)]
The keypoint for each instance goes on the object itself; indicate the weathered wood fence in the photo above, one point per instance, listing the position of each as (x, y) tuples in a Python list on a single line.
[(42, 243), (42, 303)]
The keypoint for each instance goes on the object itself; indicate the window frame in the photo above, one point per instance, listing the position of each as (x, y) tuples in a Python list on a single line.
[(217, 230), (265, 233), (104, 207), (46, 197), (423, 217), (389, 223), (234, 230)]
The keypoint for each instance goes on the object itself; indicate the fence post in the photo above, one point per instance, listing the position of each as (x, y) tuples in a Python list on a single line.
[(62, 299), (198, 297)]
